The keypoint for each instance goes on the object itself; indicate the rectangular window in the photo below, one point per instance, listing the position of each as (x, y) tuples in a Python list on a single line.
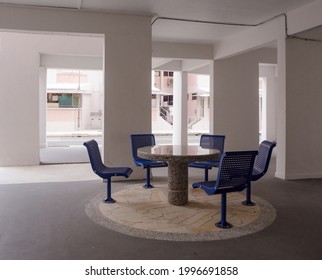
[(74, 105)]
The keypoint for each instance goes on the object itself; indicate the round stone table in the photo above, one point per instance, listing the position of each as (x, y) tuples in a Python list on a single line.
[(178, 157)]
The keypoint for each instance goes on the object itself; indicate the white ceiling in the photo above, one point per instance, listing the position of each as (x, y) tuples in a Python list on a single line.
[(232, 11)]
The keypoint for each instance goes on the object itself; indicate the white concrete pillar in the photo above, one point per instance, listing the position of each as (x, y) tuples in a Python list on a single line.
[(127, 102), (211, 99), (281, 110), (157, 104), (42, 106), (180, 115)]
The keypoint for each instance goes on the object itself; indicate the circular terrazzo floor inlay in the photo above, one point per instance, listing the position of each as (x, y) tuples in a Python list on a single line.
[(146, 213)]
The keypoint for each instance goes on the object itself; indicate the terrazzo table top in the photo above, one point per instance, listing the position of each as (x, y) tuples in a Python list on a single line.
[(187, 153)]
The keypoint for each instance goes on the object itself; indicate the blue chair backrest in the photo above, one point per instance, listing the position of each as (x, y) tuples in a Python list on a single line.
[(94, 155), (263, 158), (213, 142), (235, 169), (141, 140)]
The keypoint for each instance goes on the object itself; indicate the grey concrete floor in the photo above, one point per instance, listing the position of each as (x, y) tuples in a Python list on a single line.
[(47, 221)]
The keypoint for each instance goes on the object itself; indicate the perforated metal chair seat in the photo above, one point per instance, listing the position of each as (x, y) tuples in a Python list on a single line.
[(150, 163), (208, 187), (108, 172), (234, 175), (204, 164)]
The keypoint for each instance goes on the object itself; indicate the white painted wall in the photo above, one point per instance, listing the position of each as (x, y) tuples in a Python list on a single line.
[(250, 39), (303, 18), (19, 125), (236, 98), (127, 65), (298, 20), (181, 50), (303, 112), (127, 41), (24, 110)]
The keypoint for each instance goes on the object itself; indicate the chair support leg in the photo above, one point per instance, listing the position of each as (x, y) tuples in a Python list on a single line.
[(109, 198), (206, 175), (148, 185), (248, 201), (223, 222)]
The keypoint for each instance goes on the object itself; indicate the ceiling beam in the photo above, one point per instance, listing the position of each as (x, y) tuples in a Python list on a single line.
[(172, 65)]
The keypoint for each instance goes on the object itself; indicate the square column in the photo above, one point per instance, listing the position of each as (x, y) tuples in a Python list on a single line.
[(180, 115), (281, 110), (212, 98)]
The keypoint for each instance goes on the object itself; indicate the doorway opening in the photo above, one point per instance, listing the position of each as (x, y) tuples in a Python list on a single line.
[(71, 97), (74, 107), (267, 101), (262, 108)]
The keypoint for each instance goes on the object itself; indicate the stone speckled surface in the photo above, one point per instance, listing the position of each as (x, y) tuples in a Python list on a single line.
[(146, 213), (178, 157)]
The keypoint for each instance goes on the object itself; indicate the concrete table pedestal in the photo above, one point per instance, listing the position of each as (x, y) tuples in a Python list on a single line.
[(178, 157)]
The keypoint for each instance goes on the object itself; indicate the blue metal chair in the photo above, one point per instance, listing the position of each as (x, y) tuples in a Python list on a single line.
[(209, 142), (143, 140), (103, 171), (234, 175), (260, 167)]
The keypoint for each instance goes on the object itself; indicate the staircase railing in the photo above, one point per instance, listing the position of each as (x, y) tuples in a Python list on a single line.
[(166, 114)]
